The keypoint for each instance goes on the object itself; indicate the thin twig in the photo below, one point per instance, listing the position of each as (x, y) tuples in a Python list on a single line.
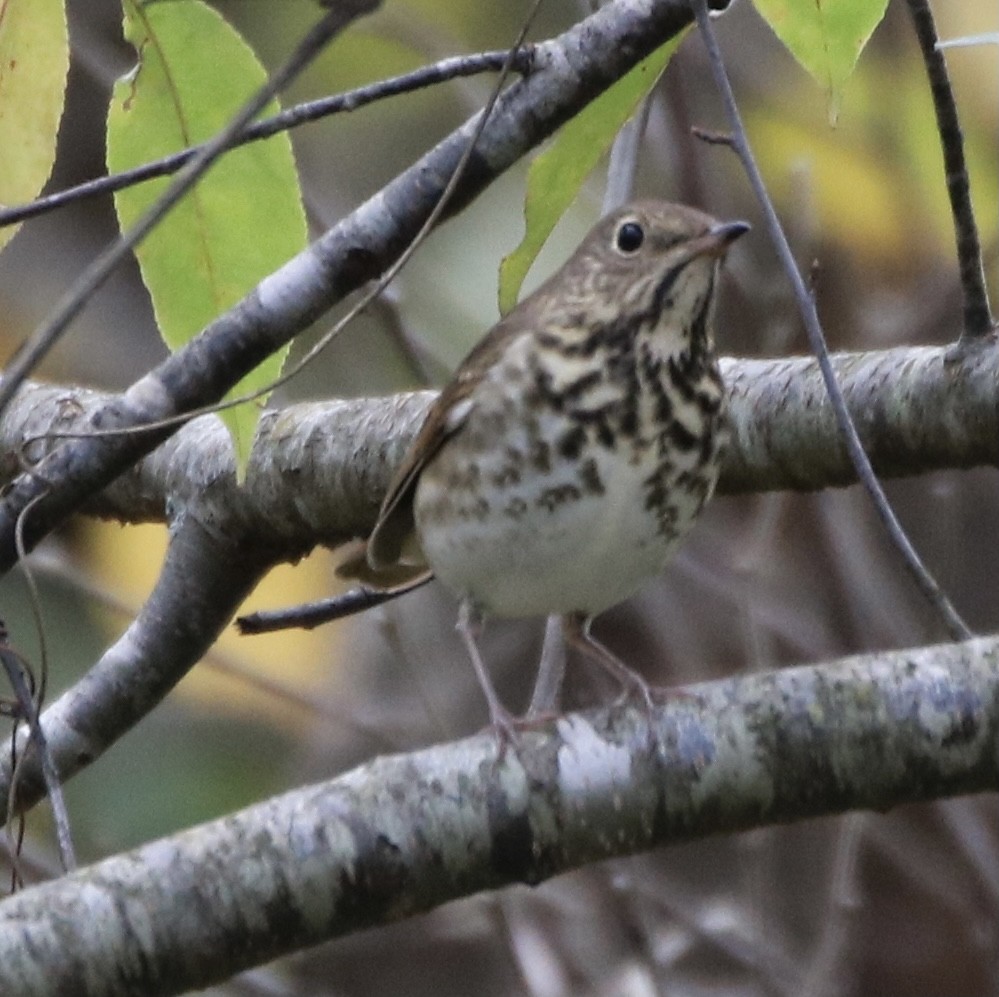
[(17, 669), (623, 165), (30, 698), (32, 350), (310, 111), (547, 695), (711, 137), (970, 41), (309, 615), (956, 627), (37, 700), (978, 319)]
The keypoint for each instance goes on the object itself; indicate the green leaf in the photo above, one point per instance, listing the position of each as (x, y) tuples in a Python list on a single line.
[(825, 36), (243, 219), (557, 174), (34, 60)]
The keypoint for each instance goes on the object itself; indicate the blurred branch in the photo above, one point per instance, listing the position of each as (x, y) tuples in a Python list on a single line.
[(301, 114), (623, 165), (406, 833), (207, 573), (333, 712), (739, 141), (977, 314), (970, 41)]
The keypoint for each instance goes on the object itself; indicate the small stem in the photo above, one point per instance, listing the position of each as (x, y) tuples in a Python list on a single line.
[(978, 319), (314, 614), (623, 165), (16, 670)]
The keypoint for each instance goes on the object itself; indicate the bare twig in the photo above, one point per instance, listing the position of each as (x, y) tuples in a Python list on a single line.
[(956, 627), (623, 165), (17, 674), (978, 319), (30, 696), (305, 113), (711, 137), (32, 350), (970, 41), (313, 614)]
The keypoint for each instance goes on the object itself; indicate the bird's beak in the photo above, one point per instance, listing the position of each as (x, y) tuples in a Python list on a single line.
[(719, 237)]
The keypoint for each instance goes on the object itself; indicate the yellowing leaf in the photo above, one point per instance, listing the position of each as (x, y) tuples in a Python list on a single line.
[(825, 36), (243, 219), (34, 60), (557, 174)]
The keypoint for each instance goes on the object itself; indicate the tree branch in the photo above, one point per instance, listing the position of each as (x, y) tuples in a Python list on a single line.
[(317, 474), (318, 471), (406, 833)]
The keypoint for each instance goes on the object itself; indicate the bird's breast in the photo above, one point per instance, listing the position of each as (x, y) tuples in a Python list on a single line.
[(567, 493)]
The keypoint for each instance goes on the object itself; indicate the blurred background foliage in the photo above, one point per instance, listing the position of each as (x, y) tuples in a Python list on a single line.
[(905, 903)]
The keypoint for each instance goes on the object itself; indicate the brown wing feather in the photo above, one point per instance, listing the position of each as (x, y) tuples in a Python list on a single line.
[(395, 530)]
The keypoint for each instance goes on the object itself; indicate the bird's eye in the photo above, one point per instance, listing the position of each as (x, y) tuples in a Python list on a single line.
[(630, 237)]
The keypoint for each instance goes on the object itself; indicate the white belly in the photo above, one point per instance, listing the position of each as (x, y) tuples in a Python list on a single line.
[(525, 552)]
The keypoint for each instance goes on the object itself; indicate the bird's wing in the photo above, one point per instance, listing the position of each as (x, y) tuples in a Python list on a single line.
[(392, 544)]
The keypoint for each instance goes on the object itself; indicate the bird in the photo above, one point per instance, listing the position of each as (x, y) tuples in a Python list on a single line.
[(574, 446)]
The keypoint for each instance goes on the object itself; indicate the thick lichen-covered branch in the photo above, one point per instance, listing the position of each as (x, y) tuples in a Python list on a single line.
[(405, 833)]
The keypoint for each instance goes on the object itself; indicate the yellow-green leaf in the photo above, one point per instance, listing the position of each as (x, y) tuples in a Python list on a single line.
[(243, 219), (825, 36), (556, 175), (34, 60)]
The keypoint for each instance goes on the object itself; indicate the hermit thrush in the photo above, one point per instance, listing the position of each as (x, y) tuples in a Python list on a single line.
[(577, 442)]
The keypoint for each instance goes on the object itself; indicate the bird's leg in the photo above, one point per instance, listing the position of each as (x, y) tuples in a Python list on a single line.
[(576, 628), (501, 720)]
